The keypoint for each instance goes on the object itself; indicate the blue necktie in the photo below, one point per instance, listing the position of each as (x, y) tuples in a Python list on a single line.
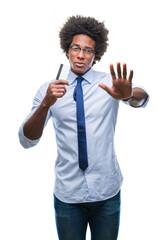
[(82, 145)]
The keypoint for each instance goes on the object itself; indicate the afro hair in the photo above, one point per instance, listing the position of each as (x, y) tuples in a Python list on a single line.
[(88, 26)]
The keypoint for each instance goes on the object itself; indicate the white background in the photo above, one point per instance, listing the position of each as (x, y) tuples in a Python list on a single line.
[(29, 56)]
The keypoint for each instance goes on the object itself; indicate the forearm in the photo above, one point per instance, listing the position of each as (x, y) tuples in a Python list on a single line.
[(33, 128), (138, 98)]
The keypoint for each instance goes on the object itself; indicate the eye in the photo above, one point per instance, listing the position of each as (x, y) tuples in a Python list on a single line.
[(88, 50), (75, 48)]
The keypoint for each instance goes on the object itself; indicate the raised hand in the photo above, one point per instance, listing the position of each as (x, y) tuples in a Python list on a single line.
[(55, 90), (121, 87)]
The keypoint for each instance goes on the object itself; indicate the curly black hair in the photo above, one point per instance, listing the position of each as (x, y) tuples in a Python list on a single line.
[(88, 26)]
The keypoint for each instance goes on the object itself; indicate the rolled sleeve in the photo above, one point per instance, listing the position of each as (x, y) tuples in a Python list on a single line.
[(145, 102), (25, 142)]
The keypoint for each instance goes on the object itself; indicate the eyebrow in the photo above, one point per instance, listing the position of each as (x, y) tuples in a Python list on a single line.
[(79, 46)]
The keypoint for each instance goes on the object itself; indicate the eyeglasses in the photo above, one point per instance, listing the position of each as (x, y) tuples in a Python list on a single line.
[(87, 51)]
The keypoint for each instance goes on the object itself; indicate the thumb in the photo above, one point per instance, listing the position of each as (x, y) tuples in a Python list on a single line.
[(107, 89)]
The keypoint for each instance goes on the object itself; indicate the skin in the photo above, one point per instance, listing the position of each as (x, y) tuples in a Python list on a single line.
[(80, 64), (122, 88)]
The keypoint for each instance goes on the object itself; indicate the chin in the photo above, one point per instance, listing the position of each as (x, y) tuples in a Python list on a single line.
[(80, 71)]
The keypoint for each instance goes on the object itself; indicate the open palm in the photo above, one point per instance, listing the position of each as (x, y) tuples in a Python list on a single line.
[(121, 88)]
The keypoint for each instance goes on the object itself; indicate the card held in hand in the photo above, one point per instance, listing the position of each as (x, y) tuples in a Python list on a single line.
[(62, 72)]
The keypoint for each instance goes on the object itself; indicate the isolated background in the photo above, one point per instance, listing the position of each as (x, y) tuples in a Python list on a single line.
[(29, 56)]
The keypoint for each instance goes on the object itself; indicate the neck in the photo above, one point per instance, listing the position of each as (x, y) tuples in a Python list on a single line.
[(78, 73)]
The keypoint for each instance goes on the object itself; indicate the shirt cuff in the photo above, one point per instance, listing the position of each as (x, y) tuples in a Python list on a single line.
[(145, 102), (26, 142)]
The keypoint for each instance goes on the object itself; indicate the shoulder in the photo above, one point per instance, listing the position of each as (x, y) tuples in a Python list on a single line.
[(99, 74), (103, 77), (45, 85), (41, 92)]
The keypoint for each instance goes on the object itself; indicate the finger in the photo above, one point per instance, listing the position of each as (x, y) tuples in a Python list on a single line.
[(59, 95), (57, 89), (112, 72), (130, 76), (124, 71), (107, 89), (60, 90), (118, 70), (58, 86), (62, 82)]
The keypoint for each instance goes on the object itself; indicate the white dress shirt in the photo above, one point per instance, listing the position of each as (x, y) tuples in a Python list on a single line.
[(103, 178)]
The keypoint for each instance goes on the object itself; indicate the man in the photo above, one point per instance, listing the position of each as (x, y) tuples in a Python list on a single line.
[(84, 110)]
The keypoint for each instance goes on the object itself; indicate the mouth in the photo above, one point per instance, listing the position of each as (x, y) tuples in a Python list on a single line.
[(79, 64)]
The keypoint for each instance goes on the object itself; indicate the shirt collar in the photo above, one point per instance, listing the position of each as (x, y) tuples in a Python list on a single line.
[(87, 76)]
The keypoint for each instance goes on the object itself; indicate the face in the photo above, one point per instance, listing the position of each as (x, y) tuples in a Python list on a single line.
[(81, 61)]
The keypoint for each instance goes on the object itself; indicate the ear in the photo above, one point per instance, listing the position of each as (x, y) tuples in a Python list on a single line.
[(67, 54), (96, 58)]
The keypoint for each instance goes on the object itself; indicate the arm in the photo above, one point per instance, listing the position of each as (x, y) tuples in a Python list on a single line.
[(138, 98), (33, 128)]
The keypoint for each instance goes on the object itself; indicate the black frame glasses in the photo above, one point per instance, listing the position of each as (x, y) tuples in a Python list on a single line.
[(76, 49)]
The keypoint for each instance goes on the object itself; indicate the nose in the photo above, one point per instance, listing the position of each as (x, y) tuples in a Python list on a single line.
[(81, 54)]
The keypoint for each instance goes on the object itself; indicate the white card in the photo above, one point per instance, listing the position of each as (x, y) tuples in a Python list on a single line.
[(62, 72)]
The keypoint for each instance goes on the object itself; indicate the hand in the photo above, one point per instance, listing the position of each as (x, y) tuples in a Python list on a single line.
[(122, 88), (55, 90)]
